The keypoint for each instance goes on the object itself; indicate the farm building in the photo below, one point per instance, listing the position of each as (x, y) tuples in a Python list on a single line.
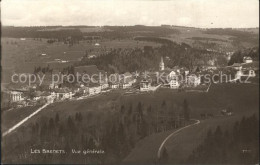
[(145, 85)]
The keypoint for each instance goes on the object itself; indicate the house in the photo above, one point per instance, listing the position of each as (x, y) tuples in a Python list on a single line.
[(174, 83), (145, 85), (16, 96), (62, 93), (167, 74), (125, 85), (94, 88), (114, 81), (247, 59), (114, 85), (193, 80), (169, 78)]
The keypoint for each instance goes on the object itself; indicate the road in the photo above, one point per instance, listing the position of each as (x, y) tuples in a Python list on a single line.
[(24, 120), (146, 150), (174, 133)]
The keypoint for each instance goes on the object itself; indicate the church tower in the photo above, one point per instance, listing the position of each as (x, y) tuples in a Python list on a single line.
[(161, 66)]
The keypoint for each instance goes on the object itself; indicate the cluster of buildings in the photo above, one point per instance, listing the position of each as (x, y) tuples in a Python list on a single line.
[(148, 81), (248, 68), (53, 92), (170, 78)]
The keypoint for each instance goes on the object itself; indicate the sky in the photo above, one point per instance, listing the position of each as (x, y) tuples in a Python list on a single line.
[(195, 13)]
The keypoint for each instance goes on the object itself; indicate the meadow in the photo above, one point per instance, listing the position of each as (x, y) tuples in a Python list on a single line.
[(22, 56)]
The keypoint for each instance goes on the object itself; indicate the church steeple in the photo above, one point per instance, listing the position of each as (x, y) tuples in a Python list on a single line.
[(161, 66)]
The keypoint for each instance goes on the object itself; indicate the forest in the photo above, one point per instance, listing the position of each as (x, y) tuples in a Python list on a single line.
[(116, 132), (137, 59), (236, 146)]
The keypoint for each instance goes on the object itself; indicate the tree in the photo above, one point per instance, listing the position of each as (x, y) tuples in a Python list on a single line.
[(80, 117), (61, 131), (91, 144), (43, 132), (57, 118), (122, 111), (186, 110), (51, 123), (71, 124)]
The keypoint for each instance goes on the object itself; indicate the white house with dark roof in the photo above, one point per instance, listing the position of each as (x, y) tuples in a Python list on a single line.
[(247, 59), (174, 82)]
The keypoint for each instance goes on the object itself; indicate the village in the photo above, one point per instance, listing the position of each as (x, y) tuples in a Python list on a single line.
[(176, 79)]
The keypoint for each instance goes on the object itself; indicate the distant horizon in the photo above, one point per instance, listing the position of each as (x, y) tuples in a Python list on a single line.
[(188, 13), (132, 25)]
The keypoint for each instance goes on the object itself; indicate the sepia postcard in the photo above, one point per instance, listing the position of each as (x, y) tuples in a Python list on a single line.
[(129, 82)]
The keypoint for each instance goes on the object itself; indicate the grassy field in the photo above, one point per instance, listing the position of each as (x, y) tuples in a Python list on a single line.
[(189, 35), (23, 56)]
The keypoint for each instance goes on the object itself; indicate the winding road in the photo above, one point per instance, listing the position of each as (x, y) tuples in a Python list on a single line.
[(174, 133), (149, 149)]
